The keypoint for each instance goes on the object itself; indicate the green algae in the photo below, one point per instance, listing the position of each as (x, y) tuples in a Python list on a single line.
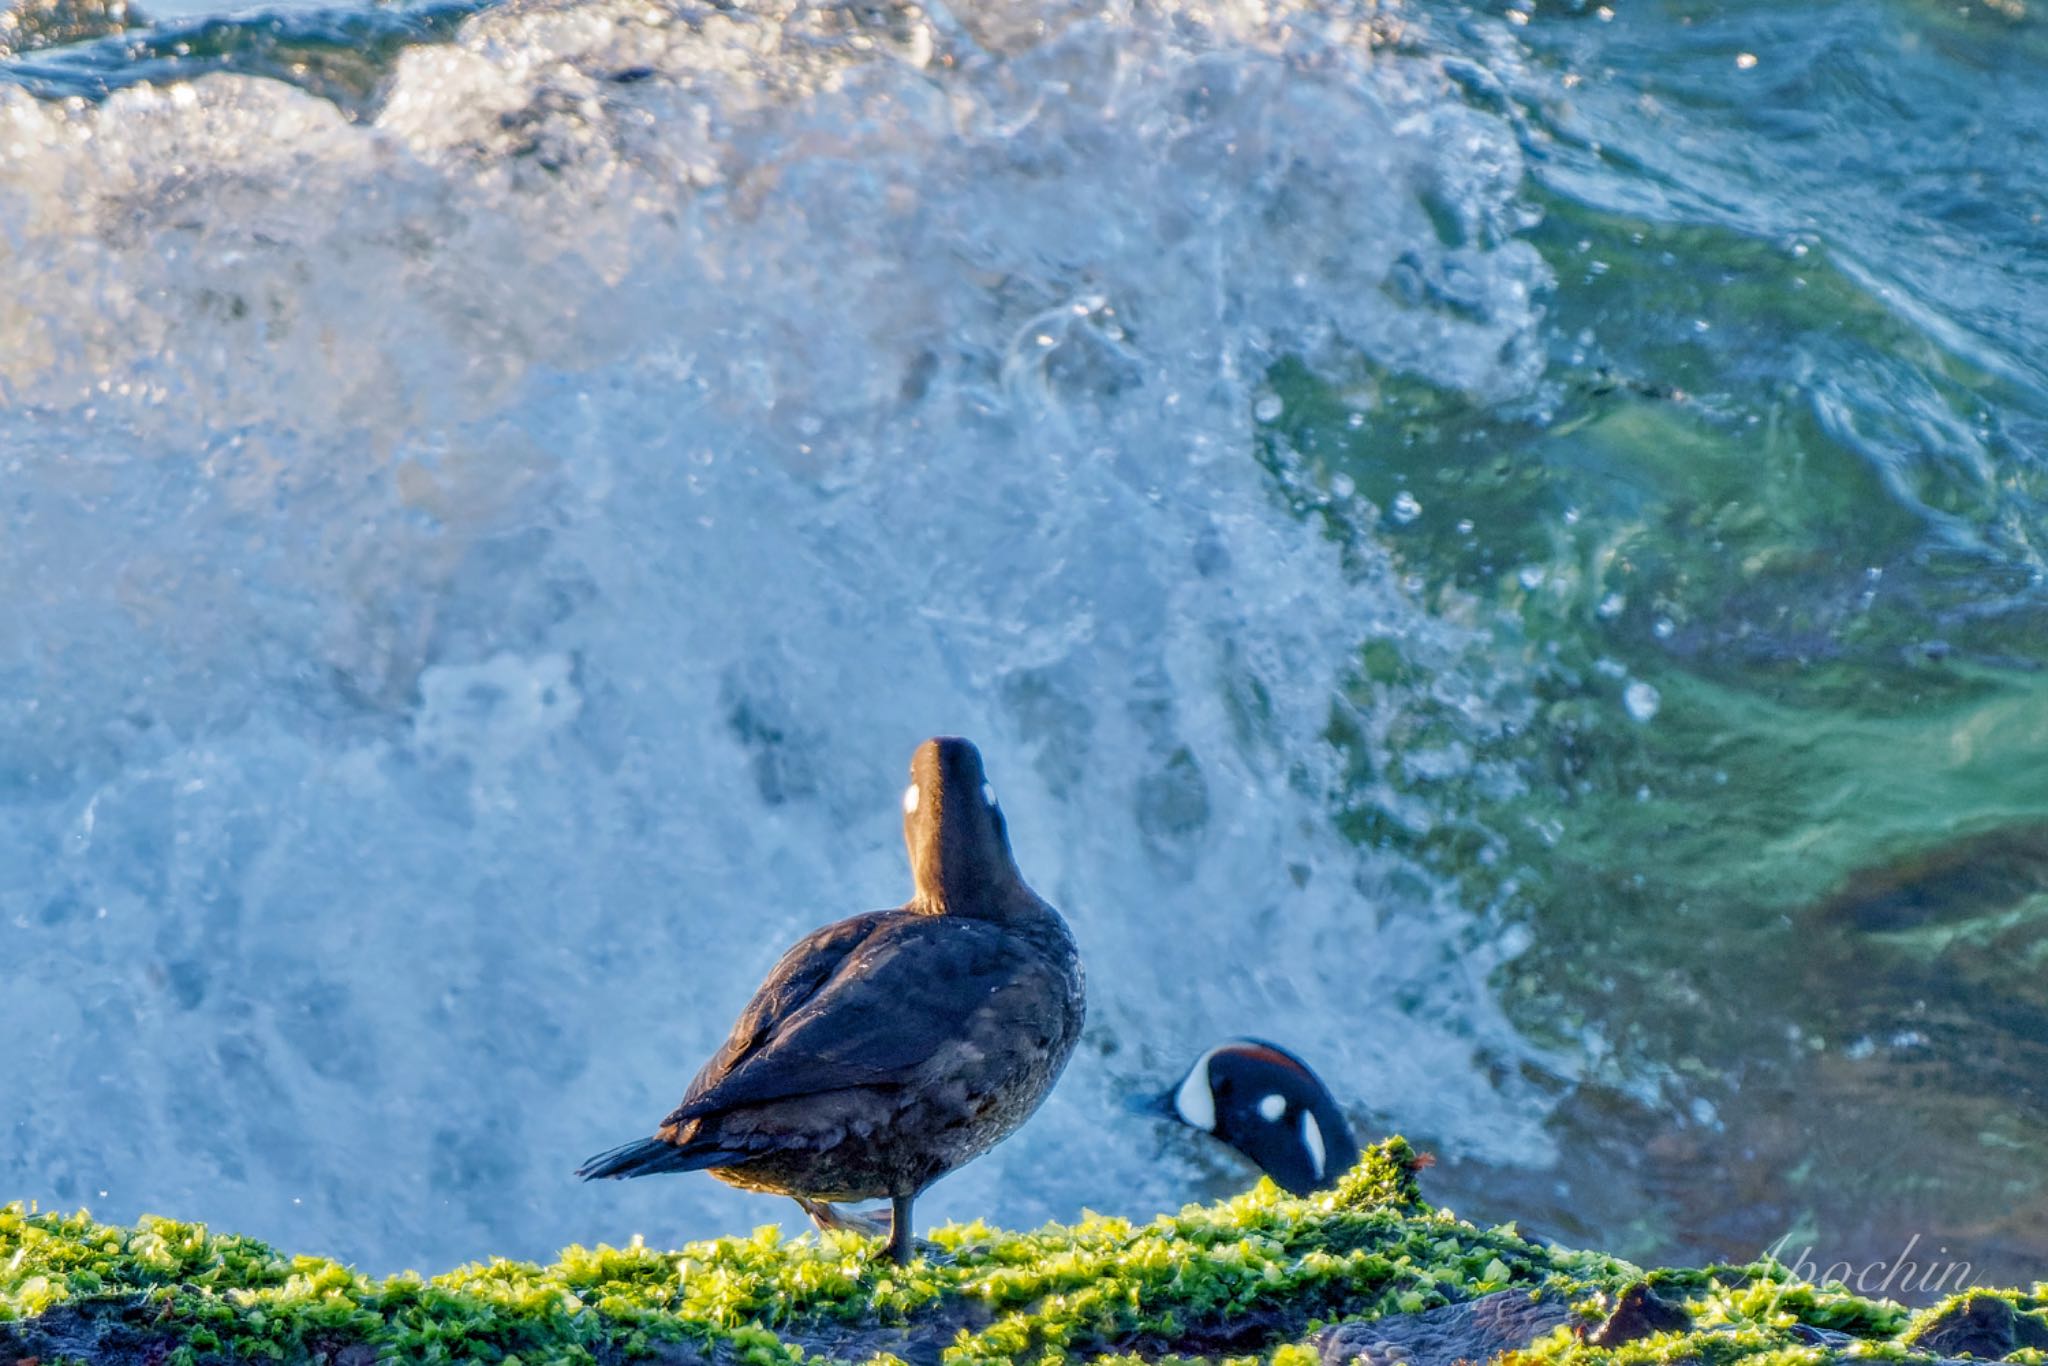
[(1245, 1280)]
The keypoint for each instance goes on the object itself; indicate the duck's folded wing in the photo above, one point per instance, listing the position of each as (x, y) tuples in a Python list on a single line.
[(909, 995), (797, 977)]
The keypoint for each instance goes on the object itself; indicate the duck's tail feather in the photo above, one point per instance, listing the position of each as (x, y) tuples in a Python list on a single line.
[(648, 1156)]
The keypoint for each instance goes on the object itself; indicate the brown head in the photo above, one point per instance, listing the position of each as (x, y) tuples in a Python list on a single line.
[(959, 843)]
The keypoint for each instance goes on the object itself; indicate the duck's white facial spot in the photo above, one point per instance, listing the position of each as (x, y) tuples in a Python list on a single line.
[(910, 796), (1195, 1102), (1272, 1107), (1312, 1139), (988, 793)]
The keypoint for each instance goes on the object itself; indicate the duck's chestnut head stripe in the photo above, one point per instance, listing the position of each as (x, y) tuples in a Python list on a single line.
[(1251, 1050), (960, 860)]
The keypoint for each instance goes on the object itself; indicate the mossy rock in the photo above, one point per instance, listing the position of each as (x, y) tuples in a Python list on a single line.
[(1264, 1277)]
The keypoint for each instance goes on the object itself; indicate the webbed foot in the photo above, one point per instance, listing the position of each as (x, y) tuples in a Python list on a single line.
[(829, 1217)]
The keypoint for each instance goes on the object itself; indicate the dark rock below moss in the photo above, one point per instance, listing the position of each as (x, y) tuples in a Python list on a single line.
[(1986, 1327), (1639, 1313), (1477, 1330)]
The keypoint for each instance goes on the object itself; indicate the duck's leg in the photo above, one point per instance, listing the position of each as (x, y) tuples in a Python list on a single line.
[(899, 1229)]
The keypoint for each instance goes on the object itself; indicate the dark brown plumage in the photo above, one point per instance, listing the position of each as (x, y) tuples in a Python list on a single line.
[(887, 1049)]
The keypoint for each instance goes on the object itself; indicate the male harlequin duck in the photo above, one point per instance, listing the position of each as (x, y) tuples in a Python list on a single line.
[(887, 1049), (1267, 1104)]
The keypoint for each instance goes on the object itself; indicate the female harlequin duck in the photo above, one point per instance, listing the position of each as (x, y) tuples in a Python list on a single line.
[(887, 1049), (1267, 1104)]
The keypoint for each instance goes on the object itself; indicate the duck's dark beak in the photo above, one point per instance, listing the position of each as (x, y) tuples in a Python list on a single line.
[(1153, 1107)]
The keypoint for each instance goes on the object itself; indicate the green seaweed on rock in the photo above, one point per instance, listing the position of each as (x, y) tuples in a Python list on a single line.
[(1246, 1280)]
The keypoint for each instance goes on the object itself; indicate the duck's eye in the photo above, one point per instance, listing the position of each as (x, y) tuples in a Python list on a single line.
[(988, 793), (1272, 1107), (910, 800)]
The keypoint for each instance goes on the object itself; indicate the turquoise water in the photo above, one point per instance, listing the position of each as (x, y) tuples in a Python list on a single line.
[(1500, 546), (1784, 488)]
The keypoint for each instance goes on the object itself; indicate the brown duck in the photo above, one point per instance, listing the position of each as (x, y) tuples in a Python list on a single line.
[(889, 1048)]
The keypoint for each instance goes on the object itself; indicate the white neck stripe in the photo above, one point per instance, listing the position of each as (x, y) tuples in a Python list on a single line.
[(1195, 1102)]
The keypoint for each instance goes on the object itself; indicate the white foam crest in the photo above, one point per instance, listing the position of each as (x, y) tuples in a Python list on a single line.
[(486, 572)]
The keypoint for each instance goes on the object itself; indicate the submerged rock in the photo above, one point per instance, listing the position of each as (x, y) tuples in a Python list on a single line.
[(32, 24)]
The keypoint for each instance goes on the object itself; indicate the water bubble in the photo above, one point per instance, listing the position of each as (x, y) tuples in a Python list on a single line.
[(1611, 606), (1406, 509), (1641, 699), (1343, 485), (1268, 408), (1531, 577), (1662, 628)]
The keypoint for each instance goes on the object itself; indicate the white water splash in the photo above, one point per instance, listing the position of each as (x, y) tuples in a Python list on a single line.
[(475, 581)]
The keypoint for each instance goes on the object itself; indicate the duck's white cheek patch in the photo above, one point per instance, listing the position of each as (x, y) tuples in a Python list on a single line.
[(1195, 1102), (1272, 1107), (988, 793), (1312, 1139), (910, 800)]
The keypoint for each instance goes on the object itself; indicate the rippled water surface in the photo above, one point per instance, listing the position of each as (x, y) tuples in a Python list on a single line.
[(1500, 546)]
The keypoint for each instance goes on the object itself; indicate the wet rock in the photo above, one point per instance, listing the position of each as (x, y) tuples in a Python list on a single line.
[(1829, 1338), (1639, 1313), (1477, 1330), (1981, 1326)]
